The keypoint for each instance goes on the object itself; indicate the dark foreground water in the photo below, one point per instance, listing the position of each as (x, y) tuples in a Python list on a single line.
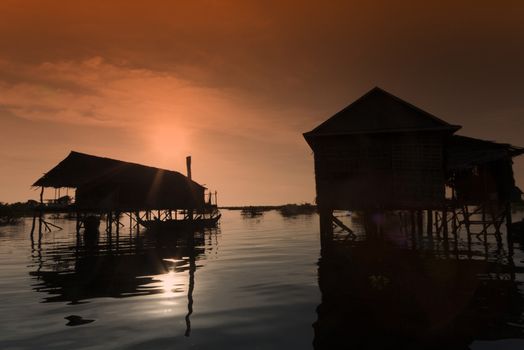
[(257, 283)]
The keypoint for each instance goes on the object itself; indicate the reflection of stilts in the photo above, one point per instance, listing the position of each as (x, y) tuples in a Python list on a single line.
[(192, 269)]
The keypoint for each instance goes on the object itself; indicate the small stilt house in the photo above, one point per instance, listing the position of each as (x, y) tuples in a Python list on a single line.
[(104, 184)]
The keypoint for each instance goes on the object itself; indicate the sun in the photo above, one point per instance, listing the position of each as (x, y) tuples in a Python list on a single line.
[(169, 144)]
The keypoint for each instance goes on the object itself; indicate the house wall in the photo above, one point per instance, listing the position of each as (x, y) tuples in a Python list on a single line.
[(380, 171), (128, 196)]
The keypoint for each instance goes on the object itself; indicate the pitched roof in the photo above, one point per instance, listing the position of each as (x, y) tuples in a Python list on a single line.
[(77, 169), (379, 111)]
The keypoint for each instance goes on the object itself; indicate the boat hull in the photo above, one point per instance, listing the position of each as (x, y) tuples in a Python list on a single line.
[(180, 225)]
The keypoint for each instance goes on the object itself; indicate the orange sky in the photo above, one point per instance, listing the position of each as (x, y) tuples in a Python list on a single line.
[(235, 83)]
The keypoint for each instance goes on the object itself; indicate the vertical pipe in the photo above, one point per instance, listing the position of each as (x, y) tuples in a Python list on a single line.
[(188, 167)]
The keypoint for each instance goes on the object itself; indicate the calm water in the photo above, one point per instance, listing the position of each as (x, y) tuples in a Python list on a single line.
[(257, 283)]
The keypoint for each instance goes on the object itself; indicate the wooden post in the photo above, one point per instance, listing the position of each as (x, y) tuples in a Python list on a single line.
[(466, 219), (137, 214), (454, 226), (33, 225), (326, 225), (484, 226), (437, 227), (77, 228), (429, 222), (445, 222), (509, 232), (117, 218), (420, 222), (109, 226), (41, 214)]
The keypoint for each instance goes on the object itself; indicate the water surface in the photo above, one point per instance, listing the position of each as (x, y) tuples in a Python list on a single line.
[(256, 283)]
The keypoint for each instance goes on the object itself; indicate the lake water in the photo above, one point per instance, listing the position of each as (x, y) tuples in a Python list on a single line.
[(257, 283)]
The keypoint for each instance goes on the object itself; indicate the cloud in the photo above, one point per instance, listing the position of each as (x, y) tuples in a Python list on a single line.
[(150, 117)]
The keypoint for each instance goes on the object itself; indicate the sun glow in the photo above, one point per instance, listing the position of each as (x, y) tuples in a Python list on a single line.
[(169, 144)]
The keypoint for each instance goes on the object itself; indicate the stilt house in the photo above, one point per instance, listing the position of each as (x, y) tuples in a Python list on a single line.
[(382, 153), (104, 184)]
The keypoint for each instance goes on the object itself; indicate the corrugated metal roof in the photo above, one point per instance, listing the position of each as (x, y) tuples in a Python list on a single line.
[(464, 152), (379, 111)]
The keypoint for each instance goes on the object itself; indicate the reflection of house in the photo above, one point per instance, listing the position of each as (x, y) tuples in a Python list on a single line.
[(114, 270), (378, 296), (382, 153)]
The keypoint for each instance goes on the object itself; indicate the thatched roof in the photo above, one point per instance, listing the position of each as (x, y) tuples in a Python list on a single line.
[(464, 152), (379, 111), (109, 183), (78, 169)]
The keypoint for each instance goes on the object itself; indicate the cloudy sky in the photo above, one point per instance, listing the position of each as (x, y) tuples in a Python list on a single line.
[(236, 83)]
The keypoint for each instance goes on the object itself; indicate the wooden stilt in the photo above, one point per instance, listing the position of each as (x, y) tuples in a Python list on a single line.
[(429, 222), (117, 230), (509, 232), (109, 228), (437, 227), (445, 222), (454, 227), (484, 225), (326, 225), (420, 222), (413, 224), (33, 225)]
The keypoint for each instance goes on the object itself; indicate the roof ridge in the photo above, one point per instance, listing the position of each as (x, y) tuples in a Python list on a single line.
[(418, 109), (403, 117)]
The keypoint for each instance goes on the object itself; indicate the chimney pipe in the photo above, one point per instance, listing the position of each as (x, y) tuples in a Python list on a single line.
[(188, 166)]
